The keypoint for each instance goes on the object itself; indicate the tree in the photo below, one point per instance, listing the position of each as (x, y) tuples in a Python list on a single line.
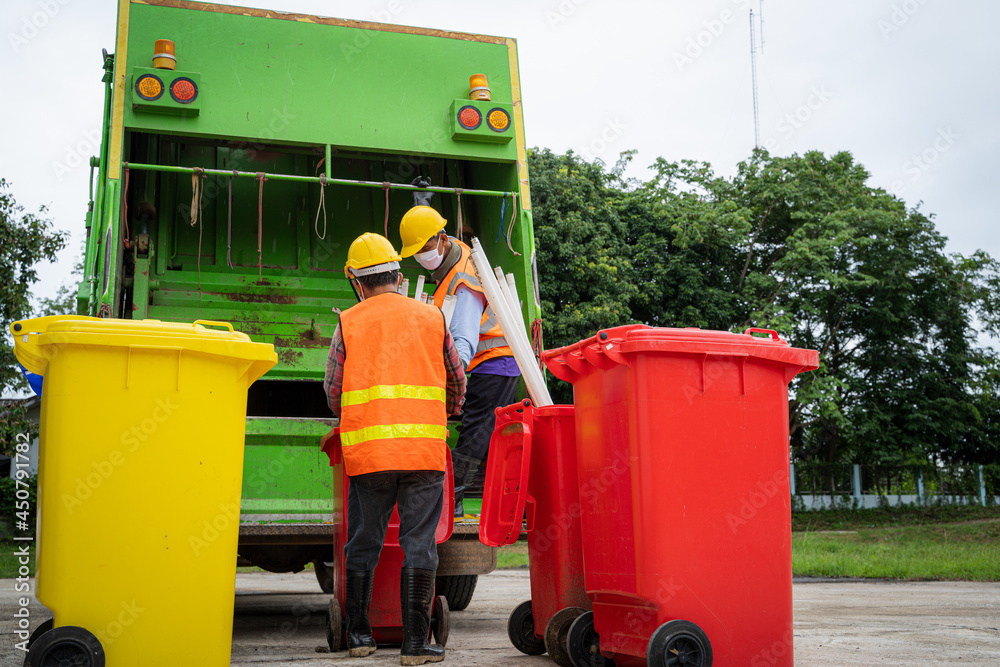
[(805, 246), (25, 240)]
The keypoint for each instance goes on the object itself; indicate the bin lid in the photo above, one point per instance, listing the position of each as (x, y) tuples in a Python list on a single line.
[(506, 489), (38, 340), (615, 346)]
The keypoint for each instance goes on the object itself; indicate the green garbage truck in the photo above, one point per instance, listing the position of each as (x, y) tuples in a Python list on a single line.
[(243, 150)]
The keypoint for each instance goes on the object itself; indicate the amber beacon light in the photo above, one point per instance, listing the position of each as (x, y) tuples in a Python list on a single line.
[(479, 89), (163, 55)]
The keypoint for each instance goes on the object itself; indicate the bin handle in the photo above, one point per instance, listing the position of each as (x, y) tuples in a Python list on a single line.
[(529, 511), (214, 323), (771, 332)]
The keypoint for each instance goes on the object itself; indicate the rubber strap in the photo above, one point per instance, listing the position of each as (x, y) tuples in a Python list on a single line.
[(385, 186), (261, 177), (229, 224), (322, 206), (510, 229), (503, 214), (199, 186), (125, 207)]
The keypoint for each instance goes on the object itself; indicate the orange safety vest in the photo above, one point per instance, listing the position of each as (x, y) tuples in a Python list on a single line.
[(491, 340), (393, 414)]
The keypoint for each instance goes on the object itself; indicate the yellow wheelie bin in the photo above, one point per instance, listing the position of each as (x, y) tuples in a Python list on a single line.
[(140, 472)]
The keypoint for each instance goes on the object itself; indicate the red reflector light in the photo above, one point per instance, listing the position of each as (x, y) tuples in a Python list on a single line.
[(183, 90), (469, 117)]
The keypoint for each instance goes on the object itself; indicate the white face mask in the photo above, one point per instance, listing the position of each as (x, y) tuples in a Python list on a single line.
[(431, 259)]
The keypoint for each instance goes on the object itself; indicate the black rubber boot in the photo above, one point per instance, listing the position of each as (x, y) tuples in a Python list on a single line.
[(416, 592), (359, 598), (464, 469)]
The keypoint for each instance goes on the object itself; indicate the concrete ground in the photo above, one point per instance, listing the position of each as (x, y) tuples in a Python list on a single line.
[(280, 621)]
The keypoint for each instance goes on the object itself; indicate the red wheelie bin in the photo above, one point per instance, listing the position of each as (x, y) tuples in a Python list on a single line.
[(385, 613), (682, 453), (532, 465)]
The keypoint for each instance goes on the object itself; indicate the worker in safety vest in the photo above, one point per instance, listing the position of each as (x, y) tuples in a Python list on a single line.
[(488, 360), (393, 377)]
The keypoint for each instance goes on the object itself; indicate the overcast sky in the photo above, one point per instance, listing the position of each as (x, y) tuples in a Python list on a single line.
[(908, 86)]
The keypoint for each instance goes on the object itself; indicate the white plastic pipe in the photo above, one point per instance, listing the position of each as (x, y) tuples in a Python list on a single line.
[(511, 297), (418, 293), (513, 292), (513, 330), (404, 287)]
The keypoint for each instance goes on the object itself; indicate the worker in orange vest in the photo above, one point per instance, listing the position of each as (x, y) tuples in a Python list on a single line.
[(492, 371), (393, 376)]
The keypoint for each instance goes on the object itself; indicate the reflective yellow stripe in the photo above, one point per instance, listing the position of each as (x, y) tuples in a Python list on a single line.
[(362, 396), (393, 431)]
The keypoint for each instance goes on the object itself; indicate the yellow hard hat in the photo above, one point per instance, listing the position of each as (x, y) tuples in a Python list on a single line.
[(370, 253), (418, 225)]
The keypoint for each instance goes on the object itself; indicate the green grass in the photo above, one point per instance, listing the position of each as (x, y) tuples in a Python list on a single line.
[(950, 551), (513, 557), (9, 563), (928, 552), (890, 517)]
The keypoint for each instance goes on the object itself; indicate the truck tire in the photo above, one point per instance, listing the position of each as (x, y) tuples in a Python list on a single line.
[(457, 589)]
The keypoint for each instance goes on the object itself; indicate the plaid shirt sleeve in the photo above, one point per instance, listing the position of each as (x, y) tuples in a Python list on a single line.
[(333, 383), (455, 387)]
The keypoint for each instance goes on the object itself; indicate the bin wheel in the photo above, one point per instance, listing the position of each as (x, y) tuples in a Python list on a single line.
[(555, 635), (35, 634), (521, 630), (68, 645), (583, 644), (440, 624), (679, 643), (334, 627), (39, 631), (324, 575)]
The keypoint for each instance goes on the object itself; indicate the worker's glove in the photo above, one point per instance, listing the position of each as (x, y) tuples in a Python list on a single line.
[(422, 198)]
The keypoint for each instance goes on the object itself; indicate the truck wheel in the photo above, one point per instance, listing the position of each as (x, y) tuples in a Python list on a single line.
[(521, 630), (334, 627), (555, 635), (458, 589), (679, 643), (324, 575), (67, 645), (583, 644)]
